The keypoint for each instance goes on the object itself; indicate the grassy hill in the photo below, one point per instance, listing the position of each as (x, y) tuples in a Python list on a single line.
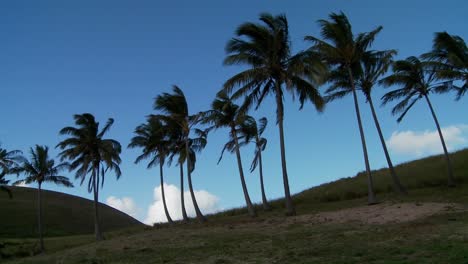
[(63, 214), (334, 225)]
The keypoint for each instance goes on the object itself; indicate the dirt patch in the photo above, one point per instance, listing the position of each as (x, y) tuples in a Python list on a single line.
[(382, 213)]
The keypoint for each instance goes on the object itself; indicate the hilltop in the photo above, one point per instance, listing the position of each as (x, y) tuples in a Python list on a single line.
[(63, 214)]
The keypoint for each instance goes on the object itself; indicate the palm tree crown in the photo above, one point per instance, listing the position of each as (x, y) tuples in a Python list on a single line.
[(9, 161), (451, 52)]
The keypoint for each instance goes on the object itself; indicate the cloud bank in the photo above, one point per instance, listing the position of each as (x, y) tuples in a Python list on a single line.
[(421, 143), (207, 202), (125, 204)]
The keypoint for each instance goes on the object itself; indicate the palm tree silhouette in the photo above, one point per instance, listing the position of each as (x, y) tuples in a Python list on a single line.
[(39, 169), (266, 49), (343, 52), (90, 153), (9, 161), (374, 64), (153, 139), (175, 108), (416, 79), (451, 54), (224, 113)]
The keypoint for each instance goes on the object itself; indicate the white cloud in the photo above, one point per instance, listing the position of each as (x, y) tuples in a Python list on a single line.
[(125, 204), (22, 184), (207, 202), (420, 143)]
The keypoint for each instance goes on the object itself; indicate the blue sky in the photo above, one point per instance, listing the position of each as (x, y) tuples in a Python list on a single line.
[(111, 58)]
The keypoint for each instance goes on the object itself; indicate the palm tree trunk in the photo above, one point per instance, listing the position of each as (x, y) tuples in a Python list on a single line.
[(39, 218), (451, 180), (266, 206), (397, 186), (97, 231), (280, 113), (200, 216), (169, 219), (184, 213), (250, 207), (370, 185)]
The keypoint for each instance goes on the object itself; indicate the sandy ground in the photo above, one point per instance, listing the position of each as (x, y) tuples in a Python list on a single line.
[(382, 213)]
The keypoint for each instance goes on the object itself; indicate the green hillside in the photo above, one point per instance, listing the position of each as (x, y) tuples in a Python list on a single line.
[(333, 225), (63, 214)]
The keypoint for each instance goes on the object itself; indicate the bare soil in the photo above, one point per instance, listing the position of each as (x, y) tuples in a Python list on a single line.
[(383, 213)]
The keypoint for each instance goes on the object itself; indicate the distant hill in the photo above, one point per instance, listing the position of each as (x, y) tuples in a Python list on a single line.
[(63, 214)]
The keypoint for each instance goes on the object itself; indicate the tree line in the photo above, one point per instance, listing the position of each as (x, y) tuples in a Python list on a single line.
[(338, 58)]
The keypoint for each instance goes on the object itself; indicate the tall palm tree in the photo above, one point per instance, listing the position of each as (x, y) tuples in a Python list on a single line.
[(224, 113), (9, 160), (266, 50), (374, 64), (153, 139), (91, 154), (251, 132), (175, 108), (416, 79), (39, 169), (343, 52), (451, 52)]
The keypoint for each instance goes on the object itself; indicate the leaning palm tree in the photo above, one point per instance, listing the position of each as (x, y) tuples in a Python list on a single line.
[(251, 132), (266, 50), (153, 139), (91, 154), (9, 160), (224, 113), (343, 52), (40, 169), (374, 64), (416, 79), (451, 54), (175, 109)]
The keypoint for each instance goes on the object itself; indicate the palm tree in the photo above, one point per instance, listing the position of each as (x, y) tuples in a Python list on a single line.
[(8, 162), (416, 80), (224, 113), (91, 154), (153, 139), (175, 108), (252, 132), (374, 64), (343, 52), (266, 49), (451, 53), (39, 169)]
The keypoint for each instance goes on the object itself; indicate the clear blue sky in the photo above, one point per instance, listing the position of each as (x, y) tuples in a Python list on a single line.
[(111, 58)]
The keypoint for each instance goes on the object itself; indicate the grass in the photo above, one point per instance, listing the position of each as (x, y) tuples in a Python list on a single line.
[(233, 237)]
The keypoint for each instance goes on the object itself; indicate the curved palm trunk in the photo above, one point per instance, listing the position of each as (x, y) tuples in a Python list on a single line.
[(250, 207), (266, 206), (200, 216), (184, 213), (397, 186), (280, 112), (169, 219), (451, 180), (370, 184), (39, 219), (97, 230)]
